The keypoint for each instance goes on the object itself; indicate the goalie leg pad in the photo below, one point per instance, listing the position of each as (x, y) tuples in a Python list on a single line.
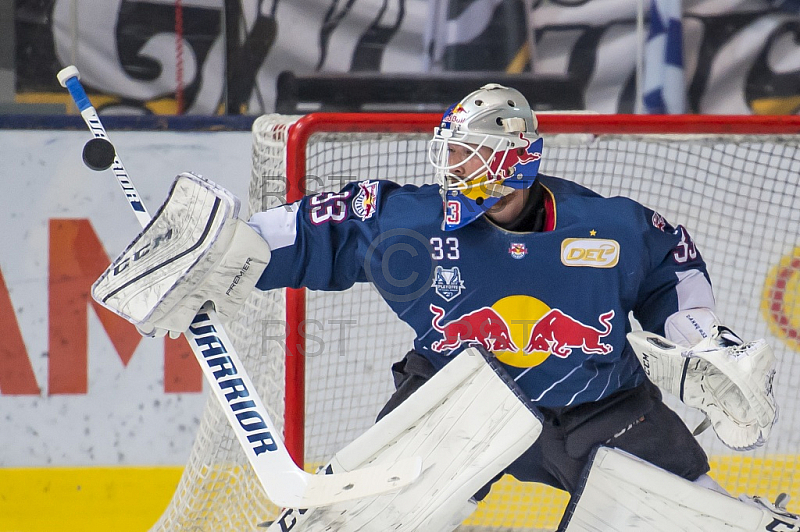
[(468, 423), (623, 493), (194, 250)]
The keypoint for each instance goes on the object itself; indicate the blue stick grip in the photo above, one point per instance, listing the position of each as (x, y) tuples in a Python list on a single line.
[(78, 94)]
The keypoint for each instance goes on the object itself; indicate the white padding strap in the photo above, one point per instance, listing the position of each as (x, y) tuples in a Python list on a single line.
[(194, 250), (690, 327), (468, 423), (624, 493)]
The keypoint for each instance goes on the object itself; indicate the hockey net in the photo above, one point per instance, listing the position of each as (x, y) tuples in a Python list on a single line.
[(732, 181)]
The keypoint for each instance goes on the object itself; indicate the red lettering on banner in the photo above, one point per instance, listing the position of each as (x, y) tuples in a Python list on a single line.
[(77, 259), (182, 373), (16, 372)]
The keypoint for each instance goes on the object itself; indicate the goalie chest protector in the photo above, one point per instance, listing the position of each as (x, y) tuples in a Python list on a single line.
[(551, 305)]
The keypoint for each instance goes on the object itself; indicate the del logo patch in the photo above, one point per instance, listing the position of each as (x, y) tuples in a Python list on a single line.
[(366, 201), (590, 252), (447, 282)]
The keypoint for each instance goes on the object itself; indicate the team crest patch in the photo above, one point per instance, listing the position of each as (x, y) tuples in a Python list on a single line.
[(447, 282), (366, 201), (658, 221), (518, 250)]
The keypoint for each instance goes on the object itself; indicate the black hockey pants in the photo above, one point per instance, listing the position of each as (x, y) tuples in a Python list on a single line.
[(635, 420)]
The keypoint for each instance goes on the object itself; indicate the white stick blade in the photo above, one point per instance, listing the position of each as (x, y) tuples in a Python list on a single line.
[(324, 490)]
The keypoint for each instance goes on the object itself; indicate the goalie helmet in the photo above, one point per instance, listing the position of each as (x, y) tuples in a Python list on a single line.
[(494, 131)]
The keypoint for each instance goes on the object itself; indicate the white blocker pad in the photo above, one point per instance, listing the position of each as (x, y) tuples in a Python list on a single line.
[(194, 250), (731, 385), (468, 423), (623, 493)]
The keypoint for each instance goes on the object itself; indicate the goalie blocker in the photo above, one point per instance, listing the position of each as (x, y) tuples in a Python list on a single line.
[(194, 250)]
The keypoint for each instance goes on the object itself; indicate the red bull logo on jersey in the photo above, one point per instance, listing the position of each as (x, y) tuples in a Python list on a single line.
[(559, 334), (522, 331), (480, 327), (366, 201)]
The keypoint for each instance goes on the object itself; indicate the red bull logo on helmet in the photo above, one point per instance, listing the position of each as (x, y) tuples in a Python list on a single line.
[(507, 164), (452, 116), (522, 331)]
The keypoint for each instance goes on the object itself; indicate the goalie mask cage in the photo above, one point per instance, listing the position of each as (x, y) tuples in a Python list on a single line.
[(731, 181)]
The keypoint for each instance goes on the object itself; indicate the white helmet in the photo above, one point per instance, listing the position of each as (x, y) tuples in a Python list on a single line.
[(496, 117)]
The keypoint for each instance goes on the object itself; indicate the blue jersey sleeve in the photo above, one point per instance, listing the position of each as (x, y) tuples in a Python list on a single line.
[(321, 241), (677, 279)]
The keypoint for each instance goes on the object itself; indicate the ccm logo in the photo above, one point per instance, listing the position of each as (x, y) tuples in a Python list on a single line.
[(142, 251), (591, 252)]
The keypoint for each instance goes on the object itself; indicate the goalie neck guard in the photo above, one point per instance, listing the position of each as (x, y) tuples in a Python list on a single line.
[(486, 146)]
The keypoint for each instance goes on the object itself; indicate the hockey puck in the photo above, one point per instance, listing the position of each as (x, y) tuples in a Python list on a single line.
[(98, 154)]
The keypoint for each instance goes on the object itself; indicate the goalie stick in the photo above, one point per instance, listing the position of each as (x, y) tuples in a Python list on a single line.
[(69, 78), (283, 481)]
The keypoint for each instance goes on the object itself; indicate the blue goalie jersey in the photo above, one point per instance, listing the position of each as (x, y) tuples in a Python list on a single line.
[(553, 306)]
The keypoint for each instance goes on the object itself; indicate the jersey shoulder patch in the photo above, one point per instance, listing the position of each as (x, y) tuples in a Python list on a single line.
[(365, 202)]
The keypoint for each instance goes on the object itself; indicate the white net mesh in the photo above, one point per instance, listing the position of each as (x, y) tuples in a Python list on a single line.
[(218, 490), (738, 196)]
